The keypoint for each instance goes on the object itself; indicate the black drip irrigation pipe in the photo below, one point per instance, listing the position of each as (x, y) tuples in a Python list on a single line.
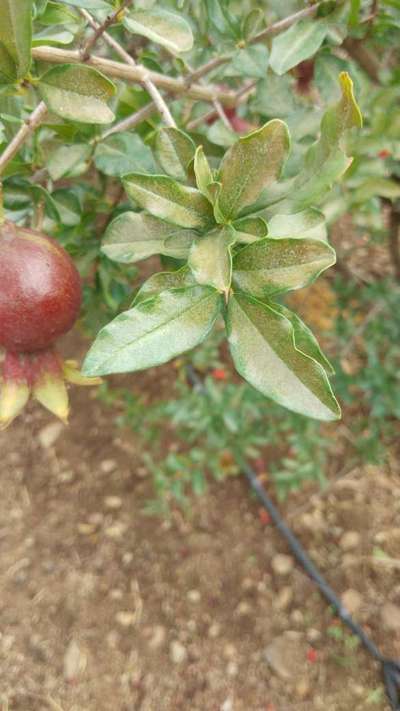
[(390, 667)]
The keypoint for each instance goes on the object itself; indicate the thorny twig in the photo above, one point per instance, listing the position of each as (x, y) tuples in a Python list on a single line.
[(101, 28)]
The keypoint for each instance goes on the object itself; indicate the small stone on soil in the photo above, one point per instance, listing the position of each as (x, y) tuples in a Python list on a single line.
[(282, 564), (177, 652), (350, 540)]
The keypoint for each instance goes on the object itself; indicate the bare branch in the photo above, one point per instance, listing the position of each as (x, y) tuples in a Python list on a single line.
[(100, 29), (26, 129), (134, 73), (150, 87), (284, 24)]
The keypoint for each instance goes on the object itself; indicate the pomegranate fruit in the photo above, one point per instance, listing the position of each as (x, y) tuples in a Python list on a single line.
[(40, 298)]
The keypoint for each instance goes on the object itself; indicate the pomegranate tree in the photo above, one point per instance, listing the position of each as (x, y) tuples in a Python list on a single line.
[(40, 298)]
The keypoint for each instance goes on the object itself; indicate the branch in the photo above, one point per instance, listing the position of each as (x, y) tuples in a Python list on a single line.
[(134, 73), (287, 22), (367, 61), (26, 129), (100, 29), (158, 100)]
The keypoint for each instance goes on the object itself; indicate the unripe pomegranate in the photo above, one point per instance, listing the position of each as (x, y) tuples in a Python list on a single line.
[(40, 298)]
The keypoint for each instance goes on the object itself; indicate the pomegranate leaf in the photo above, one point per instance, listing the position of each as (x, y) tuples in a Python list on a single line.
[(154, 331), (250, 229), (133, 236), (298, 43), (165, 198), (15, 39), (251, 164), (210, 258), (162, 27), (174, 151), (164, 281), (78, 93), (266, 353), (273, 266)]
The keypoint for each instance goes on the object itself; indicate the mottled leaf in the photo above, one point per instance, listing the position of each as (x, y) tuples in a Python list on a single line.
[(265, 353), (15, 39), (78, 93), (308, 223), (250, 62), (154, 331), (162, 27), (271, 266), (133, 236), (123, 153), (165, 198), (174, 151), (68, 160), (210, 258), (203, 173), (251, 164), (164, 281), (250, 229)]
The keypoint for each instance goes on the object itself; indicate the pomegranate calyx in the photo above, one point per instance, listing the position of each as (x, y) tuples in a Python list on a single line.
[(42, 375)]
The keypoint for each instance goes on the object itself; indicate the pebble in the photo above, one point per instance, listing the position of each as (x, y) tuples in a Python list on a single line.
[(286, 655), (177, 652), (125, 618), (214, 630), (282, 564), (117, 530), (194, 596), (229, 651), (74, 662), (49, 434), (158, 637), (113, 502), (108, 465), (352, 600), (350, 540), (390, 615), (303, 688), (232, 669), (313, 635), (283, 598), (243, 609)]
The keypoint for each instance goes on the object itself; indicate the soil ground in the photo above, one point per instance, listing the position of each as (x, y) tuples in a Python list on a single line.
[(103, 608)]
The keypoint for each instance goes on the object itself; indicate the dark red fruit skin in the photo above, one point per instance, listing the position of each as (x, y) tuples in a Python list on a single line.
[(40, 290)]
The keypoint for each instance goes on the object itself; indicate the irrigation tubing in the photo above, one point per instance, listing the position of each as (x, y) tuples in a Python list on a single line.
[(390, 667)]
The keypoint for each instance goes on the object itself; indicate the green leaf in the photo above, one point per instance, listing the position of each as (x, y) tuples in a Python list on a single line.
[(174, 151), (162, 27), (203, 173), (250, 62), (304, 338), (52, 36), (68, 207), (309, 223), (265, 353), (78, 93), (123, 153), (296, 44), (68, 160), (251, 164), (154, 331), (210, 259), (373, 187), (133, 236), (15, 39), (252, 23), (250, 229), (165, 198), (164, 281), (273, 266), (90, 4)]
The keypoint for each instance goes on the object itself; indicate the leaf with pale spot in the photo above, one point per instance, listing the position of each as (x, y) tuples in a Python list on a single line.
[(273, 266), (174, 150), (133, 236), (250, 165), (77, 93), (154, 331), (165, 198), (162, 27), (264, 350), (210, 258)]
